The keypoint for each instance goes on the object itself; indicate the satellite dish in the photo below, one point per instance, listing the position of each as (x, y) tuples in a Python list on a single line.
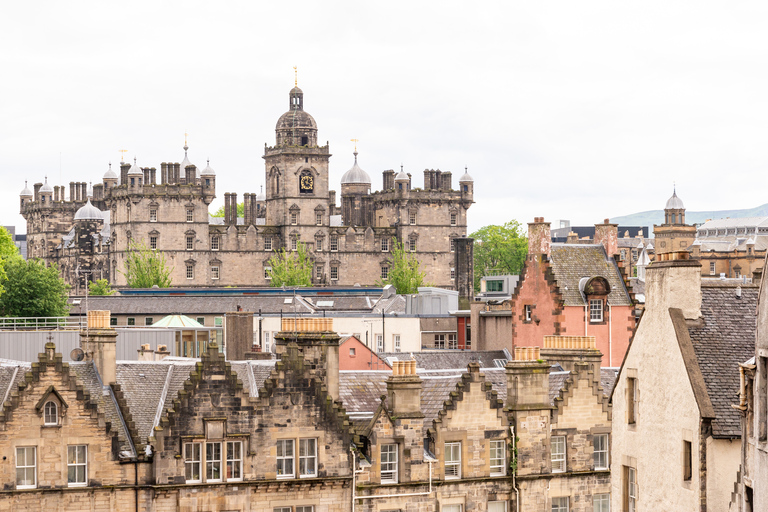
[(77, 354)]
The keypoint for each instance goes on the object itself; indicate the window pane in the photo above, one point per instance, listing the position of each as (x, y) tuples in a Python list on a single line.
[(213, 461), (601, 503), (498, 457), (497, 506), (601, 451), (559, 504), (558, 453), (389, 463)]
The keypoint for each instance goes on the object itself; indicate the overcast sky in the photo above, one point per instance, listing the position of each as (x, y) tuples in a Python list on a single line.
[(567, 110)]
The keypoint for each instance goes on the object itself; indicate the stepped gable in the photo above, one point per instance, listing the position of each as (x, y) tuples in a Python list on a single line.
[(723, 338), (470, 378), (211, 363), (81, 378), (572, 262), (581, 373)]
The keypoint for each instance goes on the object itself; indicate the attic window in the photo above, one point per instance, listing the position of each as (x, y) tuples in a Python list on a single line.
[(352, 352), (50, 413)]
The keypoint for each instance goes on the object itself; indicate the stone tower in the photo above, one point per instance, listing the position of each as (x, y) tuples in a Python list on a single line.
[(674, 235), (297, 197)]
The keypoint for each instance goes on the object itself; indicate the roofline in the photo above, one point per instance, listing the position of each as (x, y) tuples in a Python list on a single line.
[(695, 377)]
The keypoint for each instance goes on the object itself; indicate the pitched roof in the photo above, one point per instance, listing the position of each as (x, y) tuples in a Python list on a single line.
[(724, 338), (572, 262), (450, 359)]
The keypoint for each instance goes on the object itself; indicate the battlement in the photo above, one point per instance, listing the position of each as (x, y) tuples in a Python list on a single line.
[(162, 190), (292, 149)]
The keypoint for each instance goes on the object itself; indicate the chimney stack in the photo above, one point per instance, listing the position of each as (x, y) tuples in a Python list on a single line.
[(404, 390), (539, 238), (607, 234), (98, 343), (310, 345), (674, 283)]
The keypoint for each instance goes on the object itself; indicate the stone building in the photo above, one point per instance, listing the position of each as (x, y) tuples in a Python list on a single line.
[(89, 233), (564, 289), (675, 433), (298, 435)]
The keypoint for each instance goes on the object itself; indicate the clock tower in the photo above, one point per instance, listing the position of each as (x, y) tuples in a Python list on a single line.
[(297, 195)]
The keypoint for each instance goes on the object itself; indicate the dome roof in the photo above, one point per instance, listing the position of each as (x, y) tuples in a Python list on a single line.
[(402, 176), (355, 175), (295, 119), (135, 170), (208, 171), (674, 203), (185, 162), (88, 212), (46, 187), (110, 174), (465, 177), (26, 192)]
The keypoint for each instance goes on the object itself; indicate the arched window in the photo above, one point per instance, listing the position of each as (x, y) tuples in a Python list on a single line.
[(51, 413)]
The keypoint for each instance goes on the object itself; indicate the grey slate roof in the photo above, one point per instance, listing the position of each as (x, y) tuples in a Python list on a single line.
[(220, 304), (726, 338), (449, 359), (572, 262)]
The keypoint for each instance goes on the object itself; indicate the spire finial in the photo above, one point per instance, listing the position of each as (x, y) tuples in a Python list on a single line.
[(185, 142), (355, 141), (295, 76), (122, 155), (46, 179), (208, 161), (110, 165), (134, 160)]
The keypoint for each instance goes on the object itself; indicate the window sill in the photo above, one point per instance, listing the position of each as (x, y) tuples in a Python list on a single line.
[(25, 487), (78, 485), (285, 477), (453, 478), (308, 476), (498, 474), (389, 482)]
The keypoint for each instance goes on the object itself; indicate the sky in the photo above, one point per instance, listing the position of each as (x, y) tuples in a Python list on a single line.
[(567, 110)]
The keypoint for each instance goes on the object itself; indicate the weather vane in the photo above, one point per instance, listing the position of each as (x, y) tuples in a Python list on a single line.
[(122, 154), (355, 141), (295, 76)]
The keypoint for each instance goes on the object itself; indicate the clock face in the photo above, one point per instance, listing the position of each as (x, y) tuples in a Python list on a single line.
[(307, 184)]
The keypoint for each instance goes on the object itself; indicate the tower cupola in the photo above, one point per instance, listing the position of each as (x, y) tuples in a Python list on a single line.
[(674, 211), (296, 127)]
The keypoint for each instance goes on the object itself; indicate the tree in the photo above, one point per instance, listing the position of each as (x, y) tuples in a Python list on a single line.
[(145, 268), (499, 250), (8, 250), (291, 268), (100, 287), (220, 211), (404, 273), (32, 289)]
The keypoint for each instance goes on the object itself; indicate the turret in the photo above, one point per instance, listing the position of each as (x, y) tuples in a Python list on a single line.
[(46, 194), (135, 176), (25, 196), (110, 179), (466, 185), (402, 182), (208, 178)]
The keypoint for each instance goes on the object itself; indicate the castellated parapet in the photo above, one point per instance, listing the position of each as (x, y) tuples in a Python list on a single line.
[(167, 209)]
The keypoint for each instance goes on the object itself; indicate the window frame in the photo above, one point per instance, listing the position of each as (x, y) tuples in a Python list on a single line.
[(234, 463), (528, 311), (334, 273), (268, 243), (190, 271), (294, 219), (558, 456), (76, 464), (190, 242), (385, 244), (596, 310), (211, 463), (26, 466), (563, 504), (334, 244), (153, 215), (318, 219), (267, 272), (712, 268), (190, 215), (312, 458), (412, 218), (379, 343), (294, 243), (452, 448), (282, 459), (47, 421), (440, 341), (396, 342), (392, 465), (631, 400), (215, 272), (498, 465), (215, 243), (454, 218), (601, 502), (385, 271), (687, 461), (601, 453), (452, 341)]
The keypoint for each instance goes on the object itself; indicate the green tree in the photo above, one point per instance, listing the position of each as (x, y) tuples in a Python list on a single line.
[(145, 268), (100, 287), (404, 273), (220, 211), (8, 250), (292, 268), (499, 250), (32, 289)]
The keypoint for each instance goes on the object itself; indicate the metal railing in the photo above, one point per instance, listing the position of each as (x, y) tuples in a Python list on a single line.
[(51, 323)]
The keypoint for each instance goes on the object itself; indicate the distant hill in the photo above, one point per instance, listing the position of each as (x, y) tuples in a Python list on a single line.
[(652, 217)]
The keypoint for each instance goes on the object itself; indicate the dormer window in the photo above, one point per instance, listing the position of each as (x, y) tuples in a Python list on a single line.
[(51, 413)]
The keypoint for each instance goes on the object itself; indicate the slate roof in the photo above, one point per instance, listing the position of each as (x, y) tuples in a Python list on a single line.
[(572, 262), (220, 304), (449, 359), (725, 338)]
